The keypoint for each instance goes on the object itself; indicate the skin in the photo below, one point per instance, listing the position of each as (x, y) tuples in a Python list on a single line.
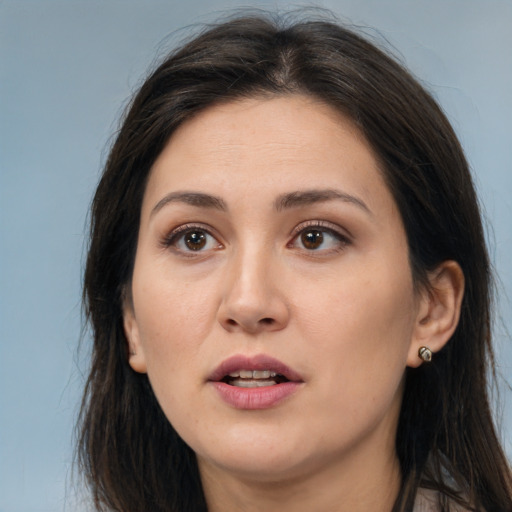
[(344, 315)]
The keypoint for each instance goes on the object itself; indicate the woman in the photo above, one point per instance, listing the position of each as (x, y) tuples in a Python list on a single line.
[(289, 288)]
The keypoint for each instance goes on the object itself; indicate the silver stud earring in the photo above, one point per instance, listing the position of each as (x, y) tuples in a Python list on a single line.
[(425, 354)]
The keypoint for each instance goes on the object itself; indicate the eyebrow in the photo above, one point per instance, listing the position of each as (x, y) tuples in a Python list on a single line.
[(308, 197), (283, 202), (191, 198)]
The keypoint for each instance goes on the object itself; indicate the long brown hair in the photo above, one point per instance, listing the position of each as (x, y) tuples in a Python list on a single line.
[(132, 457)]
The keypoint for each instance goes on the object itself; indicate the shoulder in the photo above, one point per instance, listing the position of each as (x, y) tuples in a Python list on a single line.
[(427, 500)]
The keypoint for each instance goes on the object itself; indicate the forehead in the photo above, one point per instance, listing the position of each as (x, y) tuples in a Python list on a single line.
[(264, 145)]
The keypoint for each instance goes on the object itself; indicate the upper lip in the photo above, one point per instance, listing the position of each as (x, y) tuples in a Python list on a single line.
[(256, 362)]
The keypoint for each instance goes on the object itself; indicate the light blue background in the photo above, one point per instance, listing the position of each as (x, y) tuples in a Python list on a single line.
[(67, 69)]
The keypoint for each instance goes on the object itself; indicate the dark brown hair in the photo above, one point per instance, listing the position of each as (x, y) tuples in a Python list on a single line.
[(131, 455)]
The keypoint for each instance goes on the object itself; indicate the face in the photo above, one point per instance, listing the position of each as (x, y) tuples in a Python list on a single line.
[(272, 303)]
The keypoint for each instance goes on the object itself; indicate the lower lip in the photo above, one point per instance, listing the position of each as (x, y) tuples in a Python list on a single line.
[(255, 398)]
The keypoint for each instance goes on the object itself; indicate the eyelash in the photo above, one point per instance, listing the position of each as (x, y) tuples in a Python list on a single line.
[(173, 238), (322, 227)]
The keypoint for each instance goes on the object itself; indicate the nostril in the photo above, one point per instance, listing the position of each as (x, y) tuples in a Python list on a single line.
[(251, 321)]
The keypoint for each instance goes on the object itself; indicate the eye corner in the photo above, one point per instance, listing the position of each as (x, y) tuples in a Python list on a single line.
[(191, 240), (325, 238)]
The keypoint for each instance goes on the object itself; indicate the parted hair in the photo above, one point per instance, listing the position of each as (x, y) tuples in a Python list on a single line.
[(131, 456)]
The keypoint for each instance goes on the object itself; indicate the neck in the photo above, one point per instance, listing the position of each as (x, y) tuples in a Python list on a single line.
[(350, 486)]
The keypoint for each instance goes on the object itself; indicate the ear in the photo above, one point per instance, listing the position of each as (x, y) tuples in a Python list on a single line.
[(438, 311), (136, 357)]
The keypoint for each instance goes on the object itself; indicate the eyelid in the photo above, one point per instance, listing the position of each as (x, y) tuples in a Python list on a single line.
[(170, 239), (343, 237), (322, 225)]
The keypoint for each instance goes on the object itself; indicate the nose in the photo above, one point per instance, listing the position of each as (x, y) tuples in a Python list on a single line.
[(253, 301)]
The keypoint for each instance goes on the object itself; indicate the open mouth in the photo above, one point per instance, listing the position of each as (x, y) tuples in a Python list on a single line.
[(254, 378), (254, 382)]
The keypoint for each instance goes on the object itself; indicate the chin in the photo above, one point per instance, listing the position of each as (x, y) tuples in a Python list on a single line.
[(262, 470), (259, 458)]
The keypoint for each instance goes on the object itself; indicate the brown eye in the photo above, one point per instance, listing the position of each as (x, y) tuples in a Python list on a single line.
[(192, 239), (320, 239), (195, 240), (312, 239)]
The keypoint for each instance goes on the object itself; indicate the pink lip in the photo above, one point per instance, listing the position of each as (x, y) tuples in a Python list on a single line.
[(254, 398)]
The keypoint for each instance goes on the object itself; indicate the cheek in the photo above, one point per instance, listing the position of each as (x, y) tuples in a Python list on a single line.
[(362, 324), (172, 329), (173, 321), (358, 338)]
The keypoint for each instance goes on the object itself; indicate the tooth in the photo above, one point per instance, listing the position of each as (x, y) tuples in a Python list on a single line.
[(252, 383), (273, 374), (263, 383), (260, 374), (234, 374), (246, 374)]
